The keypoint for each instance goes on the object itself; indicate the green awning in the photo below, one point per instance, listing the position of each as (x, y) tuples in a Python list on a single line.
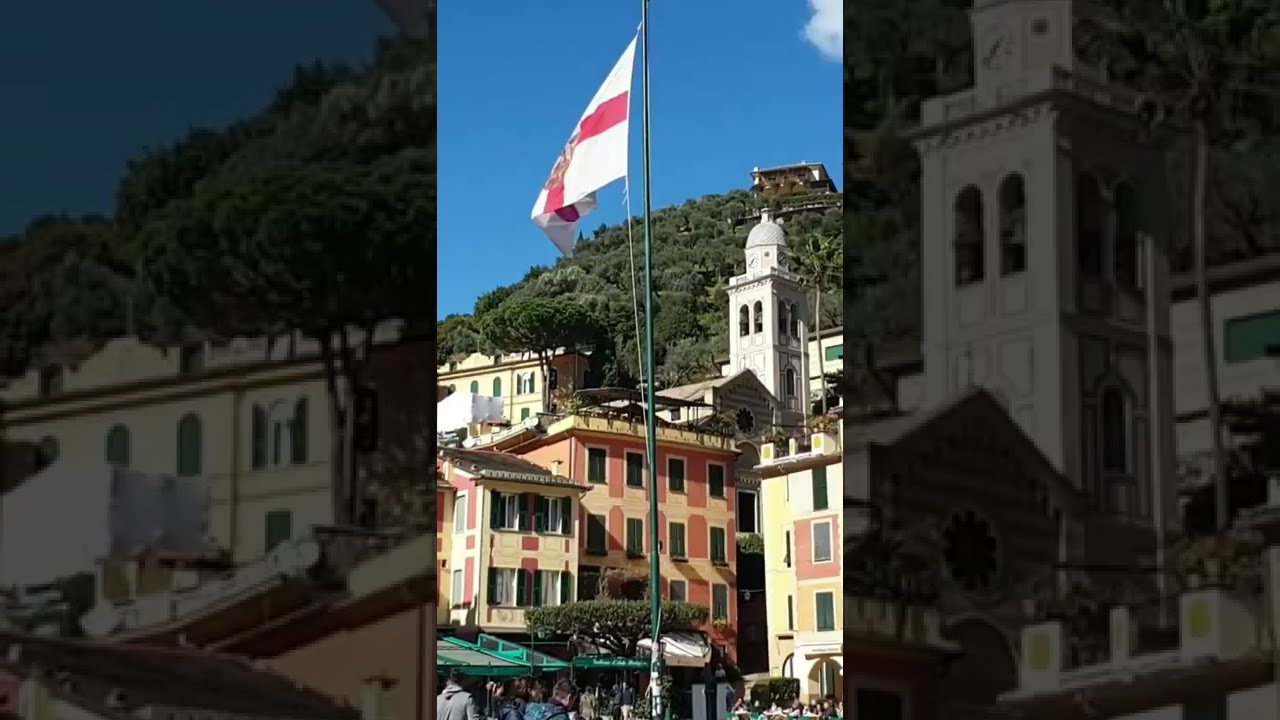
[(492, 657)]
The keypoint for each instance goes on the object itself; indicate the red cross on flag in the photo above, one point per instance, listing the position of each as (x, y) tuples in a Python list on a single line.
[(595, 156)]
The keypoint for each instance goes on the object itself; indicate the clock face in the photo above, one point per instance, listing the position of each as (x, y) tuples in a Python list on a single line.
[(753, 262), (1088, 43), (995, 52)]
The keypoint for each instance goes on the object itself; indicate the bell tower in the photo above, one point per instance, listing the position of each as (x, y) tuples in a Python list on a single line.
[(1043, 258)]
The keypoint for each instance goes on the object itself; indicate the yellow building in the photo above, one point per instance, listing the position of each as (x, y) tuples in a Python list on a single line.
[(250, 417), (516, 378), (831, 347), (803, 496)]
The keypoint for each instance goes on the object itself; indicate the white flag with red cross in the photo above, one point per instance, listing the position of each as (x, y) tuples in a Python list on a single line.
[(595, 156)]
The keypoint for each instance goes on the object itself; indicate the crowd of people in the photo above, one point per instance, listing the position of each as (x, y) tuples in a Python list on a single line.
[(828, 708)]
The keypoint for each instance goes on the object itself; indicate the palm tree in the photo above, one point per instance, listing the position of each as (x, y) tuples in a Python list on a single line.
[(1207, 68), (820, 265)]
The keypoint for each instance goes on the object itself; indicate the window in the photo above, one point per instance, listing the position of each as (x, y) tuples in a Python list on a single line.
[(524, 413), (635, 469), (879, 704), (718, 553), (715, 480), (497, 387), (820, 499), (675, 540), (675, 414), (825, 605), (553, 379), (1250, 338), (51, 381), (259, 432), (189, 446), (744, 321), (475, 387), (679, 591), (635, 537), (782, 319), (789, 382), (460, 515), (554, 515), (675, 475), (757, 317), (298, 433), (1090, 226), (1126, 208), (118, 446), (1013, 225), (455, 593), (833, 353), (452, 388), (191, 359), (597, 462), (507, 513), (746, 511), (524, 384), (506, 587), (720, 602), (1114, 436), (279, 528), (551, 588), (786, 557), (968, 238), (822, 542), (795, 321), (588, 582), (597, 534), (791, 612)]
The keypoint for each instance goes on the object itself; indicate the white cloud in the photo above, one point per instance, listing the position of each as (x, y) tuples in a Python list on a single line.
[(825, 30)]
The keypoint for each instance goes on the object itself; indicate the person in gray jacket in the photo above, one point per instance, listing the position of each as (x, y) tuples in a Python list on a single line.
[(455, 703)]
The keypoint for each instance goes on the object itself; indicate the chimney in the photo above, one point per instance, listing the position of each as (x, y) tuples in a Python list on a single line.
[(373, 693), (555, 467)]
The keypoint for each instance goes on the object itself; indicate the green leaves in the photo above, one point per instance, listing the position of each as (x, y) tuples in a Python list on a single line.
[(615, 625)]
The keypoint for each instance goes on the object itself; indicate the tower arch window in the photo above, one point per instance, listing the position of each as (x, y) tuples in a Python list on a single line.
[(744, 321), (783, 315), (795, 321), (969, 235), (1089, 225), (1013, 225), (1126, 242), (789, 382), (189, 445), (757, 324), (1115, 435)]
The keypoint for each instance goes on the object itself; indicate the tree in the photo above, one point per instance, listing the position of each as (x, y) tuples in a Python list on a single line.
[(616, 626), (331, 250), (541, 327), (1208, 69), (820, 264)]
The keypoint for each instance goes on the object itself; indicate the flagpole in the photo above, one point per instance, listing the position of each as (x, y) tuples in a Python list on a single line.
[(650, 419)]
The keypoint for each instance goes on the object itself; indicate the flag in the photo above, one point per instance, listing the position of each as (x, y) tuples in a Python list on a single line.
[(595, 156)]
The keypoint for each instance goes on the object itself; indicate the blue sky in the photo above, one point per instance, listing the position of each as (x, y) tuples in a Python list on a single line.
[(86, 84), (734, 85)]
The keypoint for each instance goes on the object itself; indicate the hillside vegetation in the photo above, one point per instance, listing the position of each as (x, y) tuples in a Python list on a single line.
[(697, 246)]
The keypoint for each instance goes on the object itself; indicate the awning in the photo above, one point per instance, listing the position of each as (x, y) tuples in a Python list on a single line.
[(682, 649), (492, 657)]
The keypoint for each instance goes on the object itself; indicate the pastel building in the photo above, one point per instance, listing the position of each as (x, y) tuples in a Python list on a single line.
[(516, 378), (513, 538), (802, 495)]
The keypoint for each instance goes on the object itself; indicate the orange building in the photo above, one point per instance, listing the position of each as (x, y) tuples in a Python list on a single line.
[(605, 451)]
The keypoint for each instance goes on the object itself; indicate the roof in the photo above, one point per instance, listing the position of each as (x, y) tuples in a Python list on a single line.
[(699, 389), (174, 677), (605, 396), (492, 465)]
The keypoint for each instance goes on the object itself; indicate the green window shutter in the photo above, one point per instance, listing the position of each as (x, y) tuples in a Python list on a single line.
[(535, 598), (118, 446), (497, 387), (1248, 338), (833, 352), (189, 442), (717, 545), (495, 510), (635, 470), (298, 439), (675, 474), (533, 383), (596, 465), (279, 528), (826, 611), (566, 587), (566, 516), (715, 478), (525, 512), (259, 437), (491, 594), (524, 413), (597, 533), (820, 488), (540, 514), (475, 387), (522, 588)]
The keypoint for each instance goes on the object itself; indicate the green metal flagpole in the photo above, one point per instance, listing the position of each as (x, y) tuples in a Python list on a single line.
[(650, 419)]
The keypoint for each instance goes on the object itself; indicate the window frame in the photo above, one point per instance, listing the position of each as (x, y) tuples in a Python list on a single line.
[(626, 467), (813, 546), (724, 480), (626, 540), (814, 476), (587, 451), (459, 517), (711, 545), (728, 611), (684, 479), (671, 541), (817, 611), (586, 539)]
